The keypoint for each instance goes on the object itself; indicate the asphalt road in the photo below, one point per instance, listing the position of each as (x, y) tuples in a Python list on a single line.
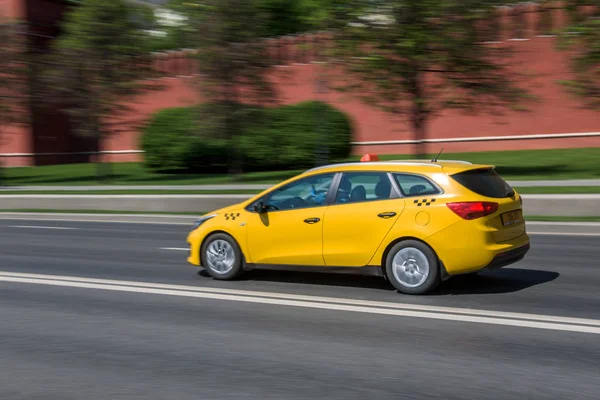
[(71, 328)]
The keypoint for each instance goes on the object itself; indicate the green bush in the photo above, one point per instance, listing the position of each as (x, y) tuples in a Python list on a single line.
[(272, 138), (287, 137), (168, 138)]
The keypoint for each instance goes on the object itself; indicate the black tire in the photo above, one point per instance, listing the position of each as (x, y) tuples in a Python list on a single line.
[(237, 266), (423, 283)]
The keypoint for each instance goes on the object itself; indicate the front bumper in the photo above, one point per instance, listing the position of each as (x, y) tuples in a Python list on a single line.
[(194, 240)]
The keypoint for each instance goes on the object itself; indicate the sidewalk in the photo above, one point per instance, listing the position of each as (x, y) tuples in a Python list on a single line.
[(546, 183)]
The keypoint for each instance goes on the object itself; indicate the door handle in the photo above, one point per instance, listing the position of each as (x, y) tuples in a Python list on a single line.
[(387, 214), (312, 220)]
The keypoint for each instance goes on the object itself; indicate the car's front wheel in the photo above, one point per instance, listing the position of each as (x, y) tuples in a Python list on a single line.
[(222, 257), (412, 267)]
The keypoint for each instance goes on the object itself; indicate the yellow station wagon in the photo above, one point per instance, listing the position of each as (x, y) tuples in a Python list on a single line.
[(415, 223)]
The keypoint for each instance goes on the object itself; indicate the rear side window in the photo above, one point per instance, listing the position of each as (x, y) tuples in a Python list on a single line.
[(358, 187), (414, 185), (485, 182)]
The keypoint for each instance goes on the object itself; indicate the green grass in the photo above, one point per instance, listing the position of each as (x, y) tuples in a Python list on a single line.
[(513, 165), (126, 174), (561, 219)]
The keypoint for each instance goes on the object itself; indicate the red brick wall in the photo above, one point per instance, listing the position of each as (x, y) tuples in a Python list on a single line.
[(12, 9), (13, 139), (536, 59)]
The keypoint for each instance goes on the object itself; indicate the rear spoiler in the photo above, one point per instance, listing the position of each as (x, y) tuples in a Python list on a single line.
[(467, 167)]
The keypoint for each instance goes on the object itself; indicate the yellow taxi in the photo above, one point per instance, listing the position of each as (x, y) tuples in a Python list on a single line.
[(415, 223)]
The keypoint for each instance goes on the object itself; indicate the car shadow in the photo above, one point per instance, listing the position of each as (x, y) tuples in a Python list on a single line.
[(505, 280), (313, 278)]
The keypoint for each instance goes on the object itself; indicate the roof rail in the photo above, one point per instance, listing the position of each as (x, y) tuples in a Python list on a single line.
[(415, 162), (434, 162)]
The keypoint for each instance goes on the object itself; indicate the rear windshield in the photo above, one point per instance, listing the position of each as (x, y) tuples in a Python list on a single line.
[(485, 182)]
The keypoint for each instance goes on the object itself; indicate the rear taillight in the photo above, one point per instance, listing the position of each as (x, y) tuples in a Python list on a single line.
[(473, 210)]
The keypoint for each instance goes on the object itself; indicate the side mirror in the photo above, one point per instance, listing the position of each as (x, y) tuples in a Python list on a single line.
[(260, 207)]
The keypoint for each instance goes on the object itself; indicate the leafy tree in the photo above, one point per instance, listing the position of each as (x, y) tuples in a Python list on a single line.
[(96, 64), (583, 35), (418, 57), (287, 17), (233, 64), (280, 18)]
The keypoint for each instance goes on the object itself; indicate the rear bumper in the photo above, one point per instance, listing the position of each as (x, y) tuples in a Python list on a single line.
[(466, 247), (508, 257)]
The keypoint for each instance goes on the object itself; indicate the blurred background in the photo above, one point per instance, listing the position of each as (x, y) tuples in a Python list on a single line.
[(129, 92), (112, 111)]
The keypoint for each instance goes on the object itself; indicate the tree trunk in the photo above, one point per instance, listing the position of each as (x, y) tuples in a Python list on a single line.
[(418, 114), (321, 142), (232, 125), (103, 169), (1, 173), (232, 129), (420, 134), (99, 172)]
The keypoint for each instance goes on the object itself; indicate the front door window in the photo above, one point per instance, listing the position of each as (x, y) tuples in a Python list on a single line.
[(304, 193)]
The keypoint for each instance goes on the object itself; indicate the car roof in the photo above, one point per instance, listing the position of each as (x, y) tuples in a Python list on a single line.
[(414, 166)]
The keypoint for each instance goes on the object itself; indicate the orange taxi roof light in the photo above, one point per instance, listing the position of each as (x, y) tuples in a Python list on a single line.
[(369, 157)]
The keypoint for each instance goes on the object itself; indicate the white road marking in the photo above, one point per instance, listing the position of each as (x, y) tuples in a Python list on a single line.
[(175, 248), (42, 227), (536, 321), (73, 217), (49, 217)]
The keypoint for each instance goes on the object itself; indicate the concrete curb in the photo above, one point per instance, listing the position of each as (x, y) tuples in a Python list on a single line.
[(534, 204)]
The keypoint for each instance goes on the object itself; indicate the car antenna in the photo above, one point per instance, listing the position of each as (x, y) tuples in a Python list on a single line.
[(438, 155)]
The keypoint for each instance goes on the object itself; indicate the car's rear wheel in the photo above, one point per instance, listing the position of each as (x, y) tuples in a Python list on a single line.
[(222, 257), (412, 267)]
